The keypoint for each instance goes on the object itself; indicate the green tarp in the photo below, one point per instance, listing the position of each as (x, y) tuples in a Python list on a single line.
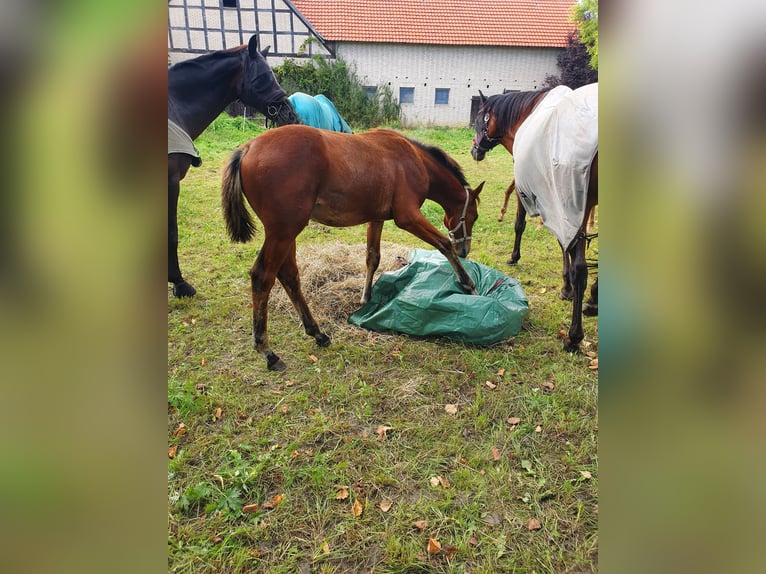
[(424, 299)]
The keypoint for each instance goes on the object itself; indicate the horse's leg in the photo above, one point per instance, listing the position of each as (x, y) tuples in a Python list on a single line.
[(291, 281), (518, 229), (579, 279), (262, 277), (508, 193), (567, 292), (590, 308), (374, 231), (177, 169), (420, 227)]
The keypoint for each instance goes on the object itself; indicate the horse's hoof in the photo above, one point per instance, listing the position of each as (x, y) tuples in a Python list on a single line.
[(590, 310), (322, 340), (274, 363), (513, 260), (183, 289), (566, 295), (570, 346)]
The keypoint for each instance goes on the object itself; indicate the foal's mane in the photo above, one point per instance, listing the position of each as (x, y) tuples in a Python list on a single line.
[(509, 108), (444, 160)]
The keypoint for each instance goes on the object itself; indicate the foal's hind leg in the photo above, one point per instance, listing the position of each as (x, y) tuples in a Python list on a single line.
[(290, 280), (262, 278)]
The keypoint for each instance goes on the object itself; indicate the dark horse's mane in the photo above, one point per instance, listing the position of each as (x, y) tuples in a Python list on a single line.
[(509, 108), (443, 159), (189, 71)]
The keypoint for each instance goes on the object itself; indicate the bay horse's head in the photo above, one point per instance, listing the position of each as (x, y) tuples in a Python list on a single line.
[(499, 117), (260, 89), (483, 125), (460, 221)]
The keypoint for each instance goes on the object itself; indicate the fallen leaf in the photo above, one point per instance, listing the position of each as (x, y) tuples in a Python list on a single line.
[(381, 431), (501, 372), (586, 475), (172, 451), (180, 430), (250, 507), (218, 413), (434, 547), (357, 508), (444, 482), (194, 321), (548, 386), (473, 541), (490, 385), (325, 548), (241, 415), (538, 428), (593, 364), (342, 493), (513, 420), (289, 383), (495, 454), (216, 539), (274, 501), (591, 354), (284, 409), (533, 524), (420, 524), (203, 362), (385, 505), (434, 480), (492, 519), (450, 408), (313, 358), (450, 551)]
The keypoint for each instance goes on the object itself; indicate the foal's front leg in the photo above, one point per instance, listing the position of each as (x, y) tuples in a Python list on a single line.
[(374, 231)]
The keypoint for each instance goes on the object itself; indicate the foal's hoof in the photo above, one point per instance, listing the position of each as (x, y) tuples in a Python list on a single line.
[(590, 309), (274, 363), (513, 261), (183, 289), (322, 340)]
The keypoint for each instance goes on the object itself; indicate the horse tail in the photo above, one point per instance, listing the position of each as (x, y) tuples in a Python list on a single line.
[(239, 222)]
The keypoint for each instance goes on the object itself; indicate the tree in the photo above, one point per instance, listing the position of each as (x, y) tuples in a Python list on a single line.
[(585, 15), (574, 63)]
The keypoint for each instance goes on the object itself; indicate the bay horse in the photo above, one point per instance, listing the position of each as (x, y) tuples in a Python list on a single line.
[(199, 89), (294, 174), (499, 120)]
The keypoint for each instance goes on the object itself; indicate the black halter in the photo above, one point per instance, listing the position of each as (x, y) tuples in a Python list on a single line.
[(490, 142)]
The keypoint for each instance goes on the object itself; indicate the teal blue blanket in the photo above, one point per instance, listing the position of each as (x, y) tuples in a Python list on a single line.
[(319, 112)]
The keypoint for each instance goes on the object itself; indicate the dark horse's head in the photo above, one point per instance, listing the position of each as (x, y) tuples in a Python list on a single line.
[(260, 88), (482, 142)]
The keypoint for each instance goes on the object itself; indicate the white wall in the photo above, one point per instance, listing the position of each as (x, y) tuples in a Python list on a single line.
[(463, 69)]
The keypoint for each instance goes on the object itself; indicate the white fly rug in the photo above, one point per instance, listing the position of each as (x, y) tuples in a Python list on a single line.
[(180, 142), (552, 153)]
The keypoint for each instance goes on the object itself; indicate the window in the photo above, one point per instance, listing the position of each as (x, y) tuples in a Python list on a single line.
[(229, 3), (406, 95), (441, 96), (371, 92)]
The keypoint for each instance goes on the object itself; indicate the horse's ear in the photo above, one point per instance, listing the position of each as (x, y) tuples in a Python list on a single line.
[(252, 46), (483, 97), (265, 51), (478, 189)]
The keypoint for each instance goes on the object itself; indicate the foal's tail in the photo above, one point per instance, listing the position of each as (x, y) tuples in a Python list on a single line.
[(239, 222)]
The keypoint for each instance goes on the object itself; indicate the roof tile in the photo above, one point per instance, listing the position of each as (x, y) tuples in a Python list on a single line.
[(456, 22)]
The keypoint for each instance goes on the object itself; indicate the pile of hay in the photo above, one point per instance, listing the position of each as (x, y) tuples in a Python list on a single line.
[(332, 278)]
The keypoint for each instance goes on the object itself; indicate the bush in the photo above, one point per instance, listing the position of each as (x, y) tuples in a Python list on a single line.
[(339, 83)]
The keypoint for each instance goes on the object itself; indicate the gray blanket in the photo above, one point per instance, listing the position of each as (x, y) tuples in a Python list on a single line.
[(180, 142), (552, 153)]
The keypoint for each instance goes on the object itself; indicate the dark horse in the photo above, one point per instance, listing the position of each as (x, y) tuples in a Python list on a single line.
[(294, 174), (499, 119), (198, 91)]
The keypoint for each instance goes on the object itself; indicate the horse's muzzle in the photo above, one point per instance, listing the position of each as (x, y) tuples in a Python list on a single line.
[(477, 153), (281, 113)]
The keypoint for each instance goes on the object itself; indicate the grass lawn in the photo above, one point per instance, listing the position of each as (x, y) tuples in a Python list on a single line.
[(349, 461)]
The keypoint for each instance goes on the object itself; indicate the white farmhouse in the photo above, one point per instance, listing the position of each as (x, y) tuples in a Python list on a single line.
[(435, 55)]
